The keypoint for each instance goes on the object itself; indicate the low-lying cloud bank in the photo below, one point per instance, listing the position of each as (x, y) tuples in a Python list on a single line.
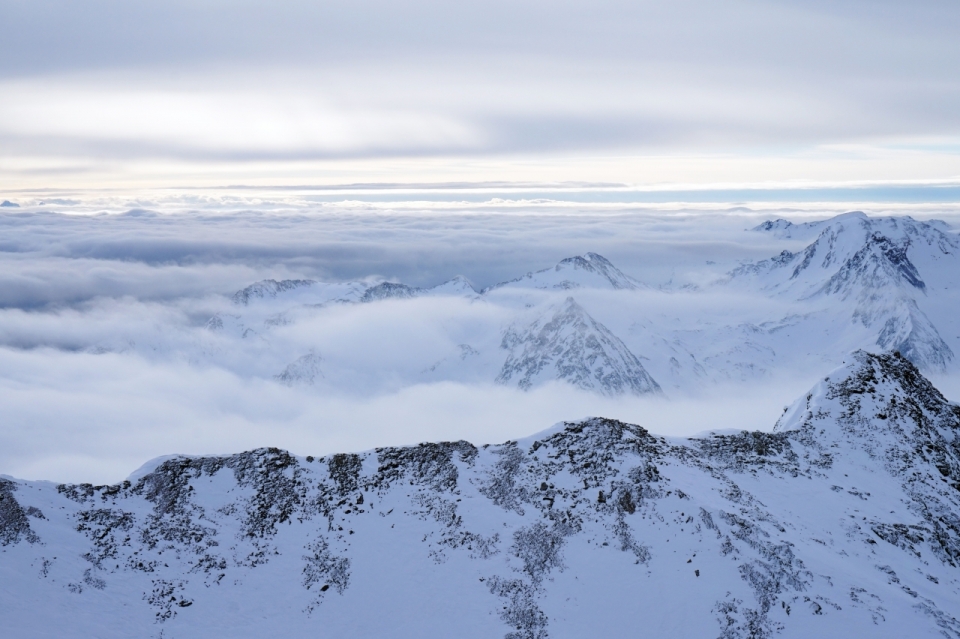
[(86, 417), (105, 360)]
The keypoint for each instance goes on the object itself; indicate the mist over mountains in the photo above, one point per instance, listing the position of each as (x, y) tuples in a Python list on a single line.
[(667, 320), (667, 484)]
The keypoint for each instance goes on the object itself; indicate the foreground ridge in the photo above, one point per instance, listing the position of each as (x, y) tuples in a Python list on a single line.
[(844, 520)]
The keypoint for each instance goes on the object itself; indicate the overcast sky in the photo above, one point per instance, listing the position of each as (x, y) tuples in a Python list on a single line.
[(110, 92)]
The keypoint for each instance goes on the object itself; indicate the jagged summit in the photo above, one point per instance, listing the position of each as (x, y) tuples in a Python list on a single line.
[(582, 271), (886, 386), (844, 521), (567, 344), (877, 250), (869, 269), (899, 229), (878, 264), (389, 290), (266, 289), (883, 408), (779, 224)]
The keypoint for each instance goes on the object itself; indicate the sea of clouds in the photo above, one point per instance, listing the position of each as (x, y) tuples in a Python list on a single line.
[(103, 310)]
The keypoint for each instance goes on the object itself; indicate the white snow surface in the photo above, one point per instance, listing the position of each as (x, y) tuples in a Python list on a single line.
[(845, 521)]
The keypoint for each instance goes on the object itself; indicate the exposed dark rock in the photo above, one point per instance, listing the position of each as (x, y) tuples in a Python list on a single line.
[(14, 524)]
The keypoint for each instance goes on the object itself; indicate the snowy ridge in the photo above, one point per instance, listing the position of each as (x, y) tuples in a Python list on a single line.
[(865, 263), (845, 521), (851, 250), (268, 289), (590, 271)]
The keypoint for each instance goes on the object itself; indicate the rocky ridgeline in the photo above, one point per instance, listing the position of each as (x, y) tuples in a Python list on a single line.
[(844, 520)]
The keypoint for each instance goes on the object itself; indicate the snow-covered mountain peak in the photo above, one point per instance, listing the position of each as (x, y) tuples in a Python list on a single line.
[(566, 343), (885, 392), (847, 258), (582, 271), (458, 286), (596, 264), (879, 264), (267, 289), (863, 268), (304, 371), (777, 225), (855, 226)]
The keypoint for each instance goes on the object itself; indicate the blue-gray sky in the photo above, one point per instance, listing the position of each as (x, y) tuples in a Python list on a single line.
[(214, 92)]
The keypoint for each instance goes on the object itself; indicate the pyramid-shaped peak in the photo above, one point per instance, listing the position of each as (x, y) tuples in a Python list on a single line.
[(883, 397), (599, 265), (567, 344), (458, 285)]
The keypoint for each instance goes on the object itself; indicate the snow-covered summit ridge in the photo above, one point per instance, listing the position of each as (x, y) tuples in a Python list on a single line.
[(894, 226), (874, 271), (266, 289), (849, 241), (844, 521), (581, 271)]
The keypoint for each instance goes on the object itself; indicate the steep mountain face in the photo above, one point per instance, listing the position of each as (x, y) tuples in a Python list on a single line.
[(845, 521), (851, 251), (567, 344), (862, 266), (581, 271)]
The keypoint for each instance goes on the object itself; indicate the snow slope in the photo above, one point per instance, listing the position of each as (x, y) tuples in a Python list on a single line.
[(845, 521)]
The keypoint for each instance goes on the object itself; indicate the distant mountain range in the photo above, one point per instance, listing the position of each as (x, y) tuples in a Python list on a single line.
[(887, 284), (844, 521)]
